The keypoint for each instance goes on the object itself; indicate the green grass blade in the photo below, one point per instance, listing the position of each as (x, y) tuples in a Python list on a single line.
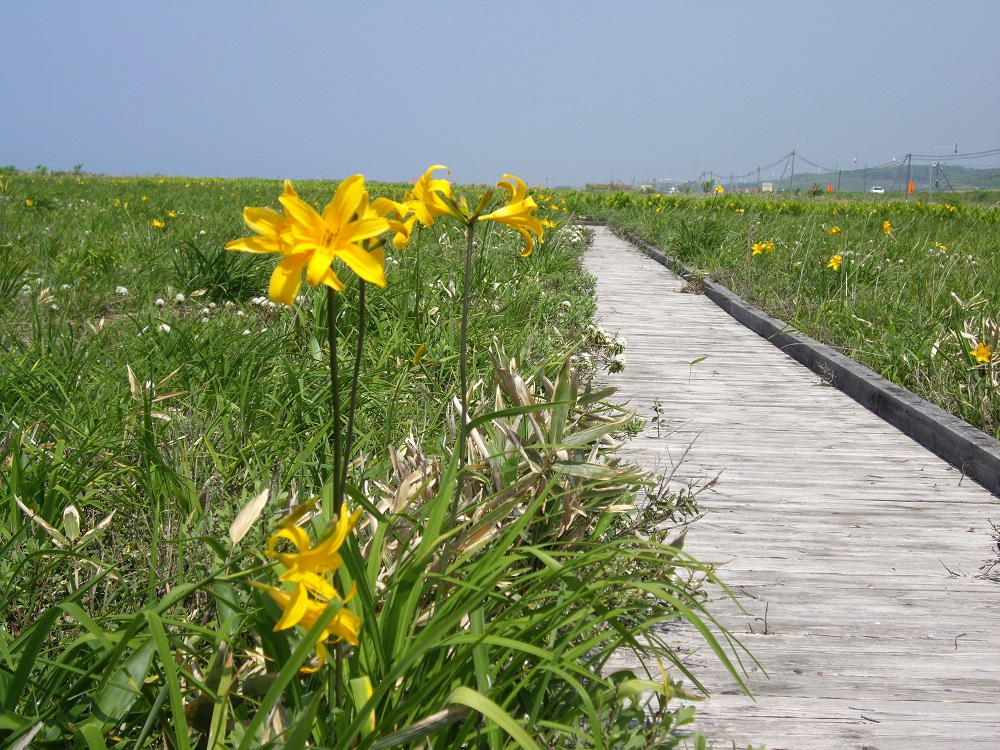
[(159, 637), (482, 705)]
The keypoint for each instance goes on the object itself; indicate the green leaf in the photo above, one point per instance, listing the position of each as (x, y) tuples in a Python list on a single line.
[(122, 689), (27, 654), (420, 729), (514, 411), (159, 637), (93, 735), (482, 705), (584, 470), (289, 671), (560, 404)]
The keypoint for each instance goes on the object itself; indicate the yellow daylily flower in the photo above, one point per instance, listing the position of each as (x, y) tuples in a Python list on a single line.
[(298, 609), (311, 569), (719, 189), (834, 230), (318, 239), (983, 352), (400, 216), (306, 239), (835, 262), (519, 213), (887, 227), (430, 198), (311, 565)]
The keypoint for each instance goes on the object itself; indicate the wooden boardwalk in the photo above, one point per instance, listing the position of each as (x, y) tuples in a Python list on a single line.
[(855, 552)]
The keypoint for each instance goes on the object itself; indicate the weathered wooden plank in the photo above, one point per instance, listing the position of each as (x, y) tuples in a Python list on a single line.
[(860, 548)]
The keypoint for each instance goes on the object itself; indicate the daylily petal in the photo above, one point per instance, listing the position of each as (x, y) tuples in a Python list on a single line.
[(287, 278), (255, 245), (314, 583), (346, 626), (265, 221), (344, 203), (368, 265), (331, 280), (319, 264), (301, 213), (295, 606), (296, 535)]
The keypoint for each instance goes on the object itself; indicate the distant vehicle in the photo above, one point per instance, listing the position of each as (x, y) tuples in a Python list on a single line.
[(878, 190)]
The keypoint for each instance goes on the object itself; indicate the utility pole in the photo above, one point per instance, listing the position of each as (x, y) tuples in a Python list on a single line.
[(866, 179), (791, 182), (909, 175), (758, 180)]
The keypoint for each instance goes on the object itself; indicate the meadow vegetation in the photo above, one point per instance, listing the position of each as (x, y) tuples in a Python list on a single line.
[(909, 288), (167, 448)]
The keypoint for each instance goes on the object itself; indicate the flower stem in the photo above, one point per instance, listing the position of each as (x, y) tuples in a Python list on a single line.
[(331, 333), (463, 357), (349, 438)]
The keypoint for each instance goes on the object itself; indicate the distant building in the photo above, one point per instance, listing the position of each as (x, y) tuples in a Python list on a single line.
[(767, 187)]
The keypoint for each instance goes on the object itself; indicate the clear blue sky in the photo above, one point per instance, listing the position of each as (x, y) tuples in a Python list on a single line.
[(557, 92)]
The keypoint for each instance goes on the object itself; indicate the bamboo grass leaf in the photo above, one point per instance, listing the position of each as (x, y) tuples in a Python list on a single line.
[(484, 706), (159, 637)]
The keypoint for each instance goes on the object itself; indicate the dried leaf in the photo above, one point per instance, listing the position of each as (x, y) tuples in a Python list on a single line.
[(247, 516)]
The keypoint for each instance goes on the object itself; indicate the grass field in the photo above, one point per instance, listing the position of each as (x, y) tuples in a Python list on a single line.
[(910, 289), (159, 417)]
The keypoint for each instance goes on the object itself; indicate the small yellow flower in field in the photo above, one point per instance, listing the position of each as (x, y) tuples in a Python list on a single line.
[(983, 352), (157, 223), (172, 214), (549, 224), (431, 197), (738, 210), (834, 231), (760, 247), (310, 565), (118, 202), (519, 213), (887, 227), (311, 569), (835, 262), (311, 241), (145, 197), (719, 190), (941, 247), (298, 609)]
